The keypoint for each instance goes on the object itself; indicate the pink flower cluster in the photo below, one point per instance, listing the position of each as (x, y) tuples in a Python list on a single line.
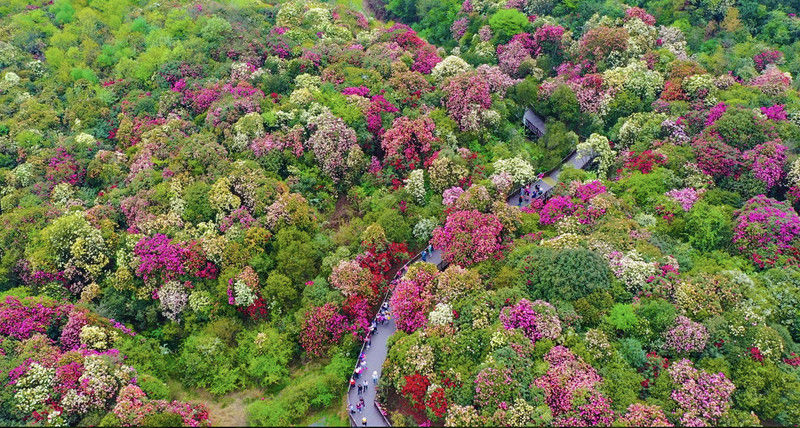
[(685, 197), (775, 112), (468, 237), (766, 230), (133, 406), (686, 336), (459, 27), (20, 320), (524, 317), (568, 379), (767, 160), (408, 142), (702, 398), (322, 328), (63, 168), (412, 300), (644, 415), (765, 58), (715, 113), (637, 12)]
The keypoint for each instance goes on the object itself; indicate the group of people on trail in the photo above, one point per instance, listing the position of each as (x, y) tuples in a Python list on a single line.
[(355, 382), (526, 195), (382, 317), (426, 253)]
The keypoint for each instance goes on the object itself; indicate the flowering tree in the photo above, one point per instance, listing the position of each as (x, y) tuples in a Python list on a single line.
[(331, 140), (767, 162), (535, 320), (766, 230), (567, 380), (686, 336), (703, 398), (322, 328), (352, 279), (468, 237), (408, 143), (643, 415), (412, 298)]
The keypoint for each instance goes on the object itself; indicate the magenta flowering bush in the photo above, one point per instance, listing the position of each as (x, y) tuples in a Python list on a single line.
[(685, 197), (686, 336), (21, 321), (570, 389), (322, 328), (63, 382), (468, 237), (331, 140), (766, 231), (702, 398), (767, 162), (534, 325), (775, 112), (494, 388), (412, 298), (716, 158)]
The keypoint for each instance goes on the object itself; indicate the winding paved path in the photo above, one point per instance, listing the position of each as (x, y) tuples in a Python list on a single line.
[(378, 350)]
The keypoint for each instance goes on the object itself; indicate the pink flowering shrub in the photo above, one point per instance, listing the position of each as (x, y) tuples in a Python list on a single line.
[(233, 103), (586, 191), (468, 237), (765, 58), (772, 81), (412, 298), (716, 158), (702, 398), (162, 260), (408, 143), (535, 320), (331, 140), (466, 96), (570, 390), (715, 113), (766, 230), (459, 27), (493, 388), (133, 406), (20, 320), (450, 196), (352, 279), (644, 415), (767, 162), (637, 12), (686, 336), (775, 112), (63, 168), (322, 328), (685, 197)]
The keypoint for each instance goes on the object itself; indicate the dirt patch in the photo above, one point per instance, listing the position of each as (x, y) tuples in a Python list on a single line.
[(342, 212), (228, 410)]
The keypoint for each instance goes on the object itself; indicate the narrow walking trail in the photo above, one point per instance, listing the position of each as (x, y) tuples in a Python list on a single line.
[(376, 354)]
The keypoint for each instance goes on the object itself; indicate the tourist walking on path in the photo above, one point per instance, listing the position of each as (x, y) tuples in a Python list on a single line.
[(366, 385), (363, 421), (375, 377), (360, 389), (424, 256)]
